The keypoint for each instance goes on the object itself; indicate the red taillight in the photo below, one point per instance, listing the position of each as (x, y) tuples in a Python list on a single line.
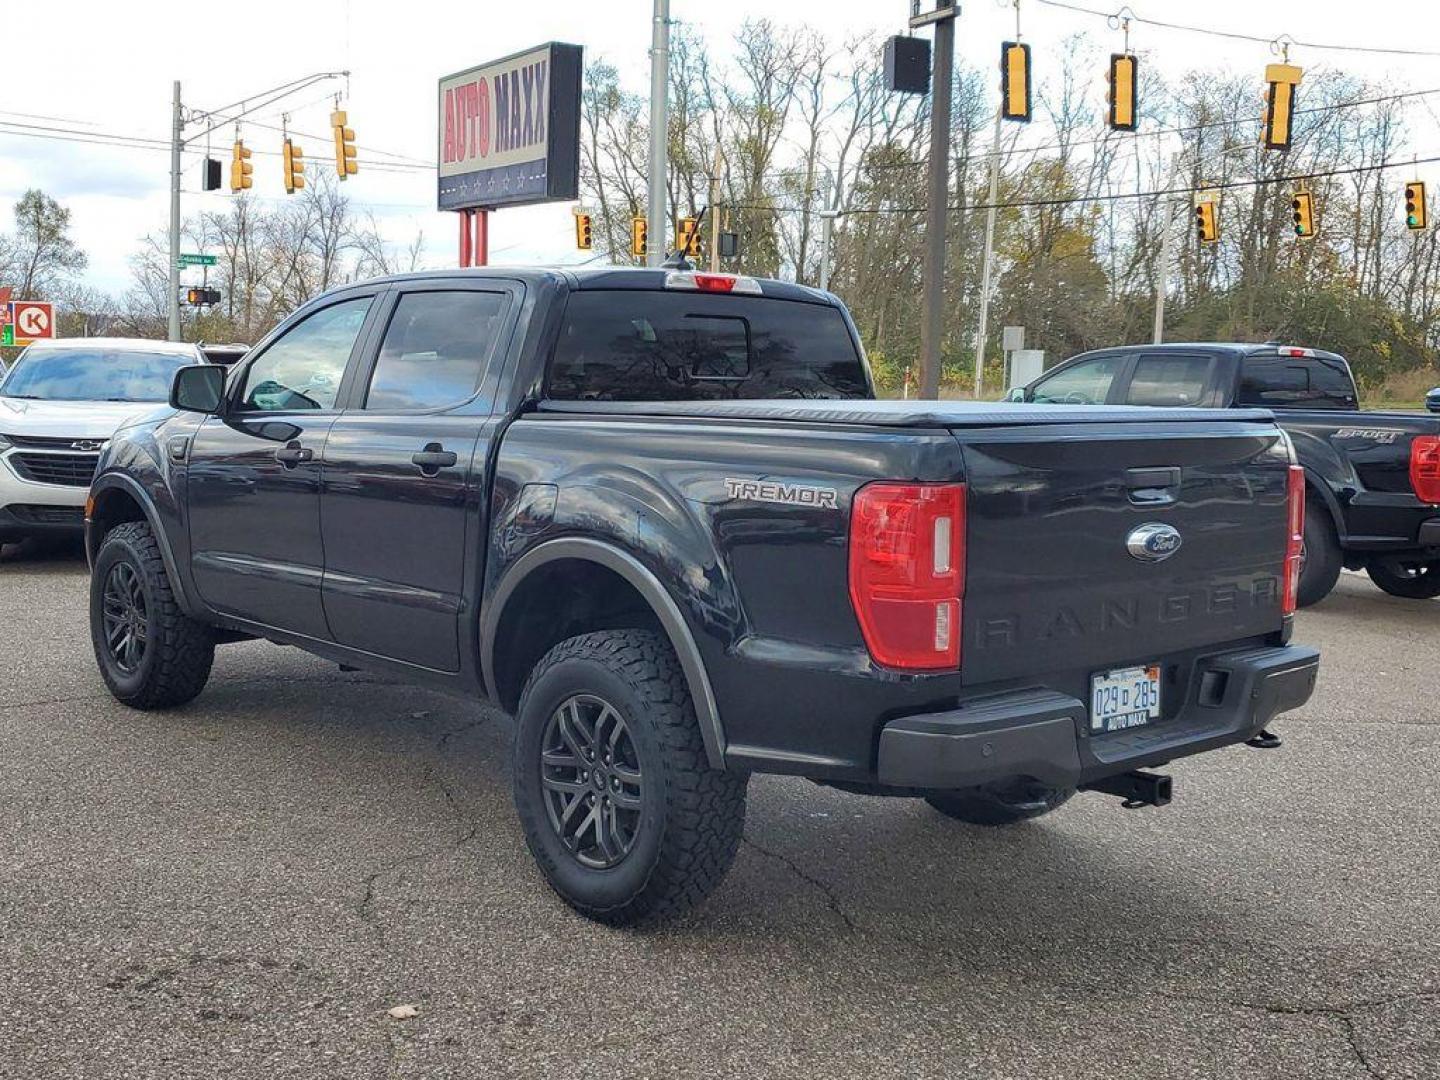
[(1425, 468), (1294, 539), (907, 572)]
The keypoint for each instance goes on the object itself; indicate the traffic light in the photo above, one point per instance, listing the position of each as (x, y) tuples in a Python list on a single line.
[(1304, 213), (687, 237), (294, 159), (1416, 213), (1124, 91), (639, 237), (1207, 221), (1280, 80), (200, 297), (240, 167), (210, 180), (584, 236), (1015, 81), (345, 164)]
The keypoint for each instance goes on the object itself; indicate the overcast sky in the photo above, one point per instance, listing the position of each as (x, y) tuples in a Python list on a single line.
[(106, 66)]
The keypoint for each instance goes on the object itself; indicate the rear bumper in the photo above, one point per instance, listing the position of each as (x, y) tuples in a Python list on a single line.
[(1044, 735)]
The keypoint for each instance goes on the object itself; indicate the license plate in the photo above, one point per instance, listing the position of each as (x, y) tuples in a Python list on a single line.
[(1126, 698)]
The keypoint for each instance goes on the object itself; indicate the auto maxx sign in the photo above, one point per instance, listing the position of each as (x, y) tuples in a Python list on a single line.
[(510, 130)]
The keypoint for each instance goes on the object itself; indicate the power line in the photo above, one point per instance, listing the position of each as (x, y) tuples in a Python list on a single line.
[(1184, 129), (1221, 185), (1115, 18), (141, 142)]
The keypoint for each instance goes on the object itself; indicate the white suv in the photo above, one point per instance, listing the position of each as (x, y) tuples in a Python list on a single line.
[(59, 405)]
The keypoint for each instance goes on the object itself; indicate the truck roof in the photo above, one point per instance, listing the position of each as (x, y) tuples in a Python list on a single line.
[(595, 277), (1244, 348)]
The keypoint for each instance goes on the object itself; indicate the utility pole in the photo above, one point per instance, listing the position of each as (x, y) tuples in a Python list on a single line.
[(1162, 274), (715, 211), (659, 228), (982, 325), (177, 134), (932, 325), (827, 228)]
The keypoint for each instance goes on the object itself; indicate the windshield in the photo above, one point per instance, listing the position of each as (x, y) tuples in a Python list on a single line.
[(93, 375)]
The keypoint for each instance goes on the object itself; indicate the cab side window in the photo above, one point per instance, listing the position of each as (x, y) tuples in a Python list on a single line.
[(436, 351), (301, 371), (1085, 383), (1170, 380)]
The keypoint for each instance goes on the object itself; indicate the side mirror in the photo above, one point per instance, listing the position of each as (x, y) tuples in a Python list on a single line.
[(1017, 394), (199, 388)]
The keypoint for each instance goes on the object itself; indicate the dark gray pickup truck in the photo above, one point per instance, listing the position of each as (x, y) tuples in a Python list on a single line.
[(658, 516)]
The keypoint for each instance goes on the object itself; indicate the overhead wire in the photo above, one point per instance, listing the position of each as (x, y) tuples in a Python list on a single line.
[(1183, 129), (1113, 18), (1119, 196)]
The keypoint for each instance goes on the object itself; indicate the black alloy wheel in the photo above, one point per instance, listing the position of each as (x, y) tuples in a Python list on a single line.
[(125, 618), (594, 788)]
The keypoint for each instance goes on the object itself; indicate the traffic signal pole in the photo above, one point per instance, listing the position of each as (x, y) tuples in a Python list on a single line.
[(982, 325), (932, 324), (177, 134), (658, 227), (1162, 272)]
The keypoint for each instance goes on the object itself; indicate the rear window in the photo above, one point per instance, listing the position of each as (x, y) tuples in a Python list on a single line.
[(629, 345), (1297, 381)]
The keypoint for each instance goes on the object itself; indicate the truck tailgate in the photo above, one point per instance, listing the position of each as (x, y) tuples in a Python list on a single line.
[(1053, 512)]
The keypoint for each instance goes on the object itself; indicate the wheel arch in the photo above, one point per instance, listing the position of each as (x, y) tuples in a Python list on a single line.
[(505, 675), (116, 499), (1317, 491)]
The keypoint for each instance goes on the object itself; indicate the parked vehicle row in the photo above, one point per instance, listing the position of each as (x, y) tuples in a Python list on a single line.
[(659, 516), (1372, 478)]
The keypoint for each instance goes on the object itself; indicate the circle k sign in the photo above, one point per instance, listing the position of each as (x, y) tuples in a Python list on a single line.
[(32, 319)]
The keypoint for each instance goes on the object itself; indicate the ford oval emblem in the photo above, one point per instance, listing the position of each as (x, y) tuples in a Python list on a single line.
[(1153, 542)]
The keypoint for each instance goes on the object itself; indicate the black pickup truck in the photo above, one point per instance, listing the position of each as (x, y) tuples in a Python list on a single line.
[(1372, 479), (658, 516)]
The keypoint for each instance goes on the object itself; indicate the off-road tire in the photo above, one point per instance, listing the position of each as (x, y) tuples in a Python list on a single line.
[(1323, 558), (1000, 804), (691, 816), (178, 652), (1411, 581)]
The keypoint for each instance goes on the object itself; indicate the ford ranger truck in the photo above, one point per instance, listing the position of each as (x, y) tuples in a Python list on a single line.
[(658, 516), (1372, 478)]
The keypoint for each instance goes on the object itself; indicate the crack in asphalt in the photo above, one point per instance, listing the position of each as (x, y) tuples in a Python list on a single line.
[(831, 900), (466, 830), (1341, 1013), (1352, 1036)]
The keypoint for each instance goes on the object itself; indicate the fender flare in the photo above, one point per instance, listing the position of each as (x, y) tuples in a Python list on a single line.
[(121, 482), (1315, 483), (666, 610)]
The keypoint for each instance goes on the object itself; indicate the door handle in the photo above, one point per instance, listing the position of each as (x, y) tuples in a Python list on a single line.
[(434, 458), (293, 454), (1152, 478)]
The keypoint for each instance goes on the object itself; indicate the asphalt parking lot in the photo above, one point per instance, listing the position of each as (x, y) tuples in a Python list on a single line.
[(245, 887)]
